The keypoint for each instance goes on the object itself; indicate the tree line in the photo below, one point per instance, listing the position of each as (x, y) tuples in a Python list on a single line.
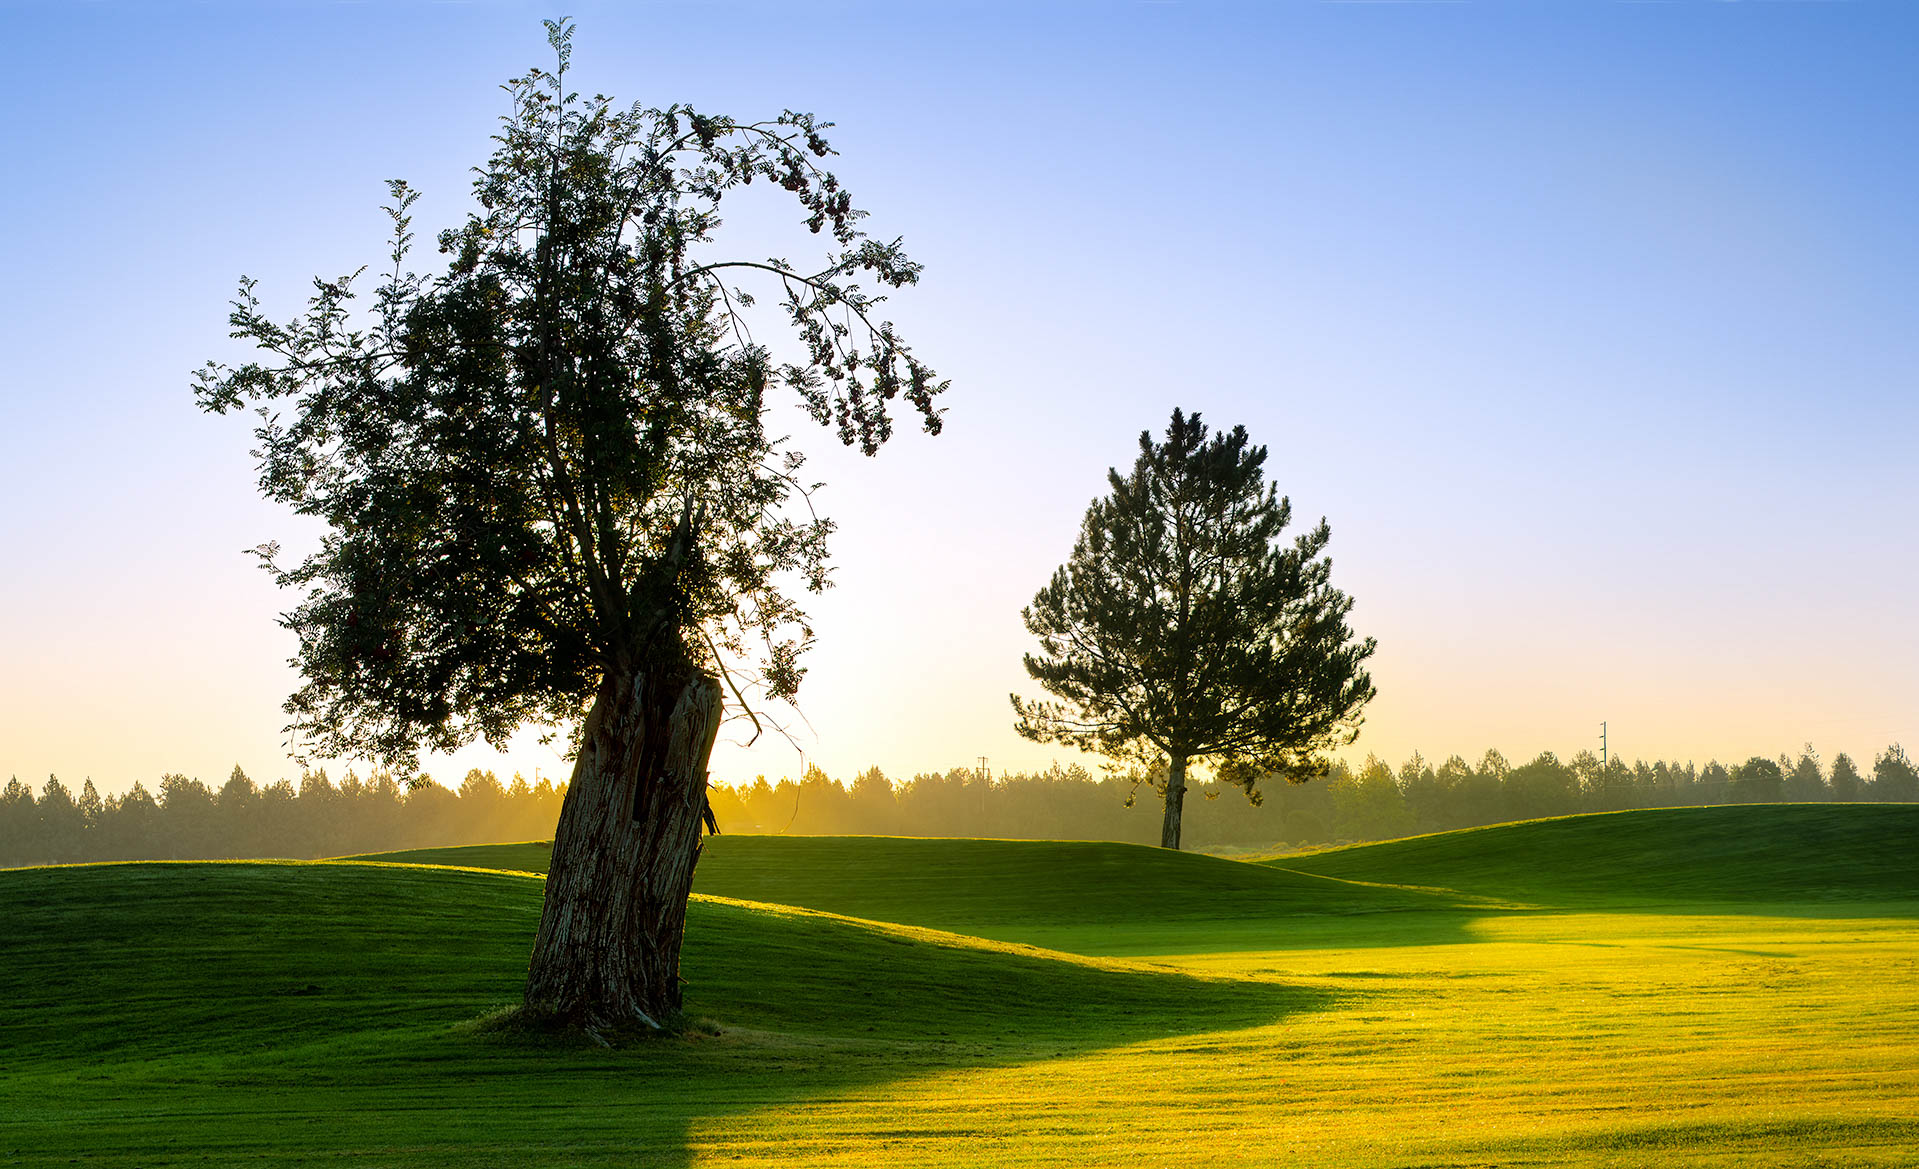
[(1369, 801), (187, 820), (184, 819)]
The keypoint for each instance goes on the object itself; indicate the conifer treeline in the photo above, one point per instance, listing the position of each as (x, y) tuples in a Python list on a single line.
[(1368, 802), (188, 820)]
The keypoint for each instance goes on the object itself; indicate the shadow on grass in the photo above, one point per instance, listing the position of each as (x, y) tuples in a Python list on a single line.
[(1081, 897), (223, 1013)]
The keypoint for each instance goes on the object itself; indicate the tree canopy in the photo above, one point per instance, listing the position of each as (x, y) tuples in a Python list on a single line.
[(551, 495), (553, 454), (1184, 627)]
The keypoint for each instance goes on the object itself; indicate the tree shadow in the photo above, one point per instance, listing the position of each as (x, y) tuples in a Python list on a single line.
[(1080, 897), (237, 1012)]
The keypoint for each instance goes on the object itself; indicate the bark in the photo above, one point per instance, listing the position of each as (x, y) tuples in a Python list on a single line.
[(1175, 802), (608, 950)]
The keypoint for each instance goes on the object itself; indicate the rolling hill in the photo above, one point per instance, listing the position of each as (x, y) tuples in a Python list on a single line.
[(1372, 1006), (236, 1000), (1739, 854), (1084, 897)]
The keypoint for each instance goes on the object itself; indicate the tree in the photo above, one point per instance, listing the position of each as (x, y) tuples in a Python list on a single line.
[(17, 823), (1542, 787), (875, 804), (551, 492), (1715, 783), (1368, 805), (1183, 629), (1805, 781), (1846, 781), (1758, 780), (61, 823), (1894, 778), (1424, 798)]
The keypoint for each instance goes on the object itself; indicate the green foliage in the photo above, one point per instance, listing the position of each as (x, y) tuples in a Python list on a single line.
[(550, 460), (321, 818), (1184, 627), (1805, 781), (1758, 780), (1373, 802), (1369, 803), (1846, 782), (1893, 775)]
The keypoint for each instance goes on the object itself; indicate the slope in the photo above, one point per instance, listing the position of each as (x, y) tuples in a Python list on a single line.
[(1085, 897), (1751, 854), (283, 1011)]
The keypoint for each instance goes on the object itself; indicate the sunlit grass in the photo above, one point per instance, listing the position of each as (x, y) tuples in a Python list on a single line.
[(255, 1014), (1548, 1039)]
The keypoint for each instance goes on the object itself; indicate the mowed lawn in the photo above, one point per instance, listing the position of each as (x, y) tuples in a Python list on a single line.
[(1728, 986)]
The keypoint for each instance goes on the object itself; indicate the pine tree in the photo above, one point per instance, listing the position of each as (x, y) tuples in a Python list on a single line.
[(1805, 781), (1894, 778), (1846, 782), (1184, 629)]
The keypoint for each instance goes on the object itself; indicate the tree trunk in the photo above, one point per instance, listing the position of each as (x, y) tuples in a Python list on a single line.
[(608, 951), (1175, 802)]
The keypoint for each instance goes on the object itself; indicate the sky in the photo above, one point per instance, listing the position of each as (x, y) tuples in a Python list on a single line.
[(1589, 327)]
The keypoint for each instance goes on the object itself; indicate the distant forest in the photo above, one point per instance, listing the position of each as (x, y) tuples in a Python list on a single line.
[(185, 819)]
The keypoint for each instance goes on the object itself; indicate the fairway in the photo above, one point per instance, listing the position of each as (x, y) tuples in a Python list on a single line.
[(1600, 990)]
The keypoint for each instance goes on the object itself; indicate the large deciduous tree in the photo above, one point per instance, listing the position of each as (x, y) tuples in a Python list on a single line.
[(1185, 629), (550, 492)]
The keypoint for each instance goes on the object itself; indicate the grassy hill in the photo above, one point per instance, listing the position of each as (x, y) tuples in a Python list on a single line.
[(1668, 1012), (1745, 854), (243, 1005), (1080, 896)]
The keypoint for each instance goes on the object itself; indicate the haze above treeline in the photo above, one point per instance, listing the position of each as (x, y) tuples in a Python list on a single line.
[(186, 819)]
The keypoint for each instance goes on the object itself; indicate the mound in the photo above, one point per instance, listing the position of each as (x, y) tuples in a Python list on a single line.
[(1758, 853), (1085, 897), (285, 1011), (191, 956)]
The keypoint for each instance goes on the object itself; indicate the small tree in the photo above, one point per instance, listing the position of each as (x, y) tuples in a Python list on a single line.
[(1758, 780), (1894, 778), (552, 496), (1846, 782), (1806, 781), (1184, 629)]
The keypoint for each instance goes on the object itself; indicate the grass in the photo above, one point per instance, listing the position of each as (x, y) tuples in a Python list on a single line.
[(228, 1014), (1080, 896), (1744, 854)]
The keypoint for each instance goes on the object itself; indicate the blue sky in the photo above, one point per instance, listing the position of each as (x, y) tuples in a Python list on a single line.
[(1589, 326)]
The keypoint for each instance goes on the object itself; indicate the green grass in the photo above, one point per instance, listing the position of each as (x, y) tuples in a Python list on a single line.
[(228, 1000), (255, 1014), (1756, 853), (1080, 896)]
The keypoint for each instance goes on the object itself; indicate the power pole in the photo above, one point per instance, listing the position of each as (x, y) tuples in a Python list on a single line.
[(1602, 747)]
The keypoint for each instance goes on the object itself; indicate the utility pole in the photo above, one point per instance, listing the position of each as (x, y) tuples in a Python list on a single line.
[(1602, 747)]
